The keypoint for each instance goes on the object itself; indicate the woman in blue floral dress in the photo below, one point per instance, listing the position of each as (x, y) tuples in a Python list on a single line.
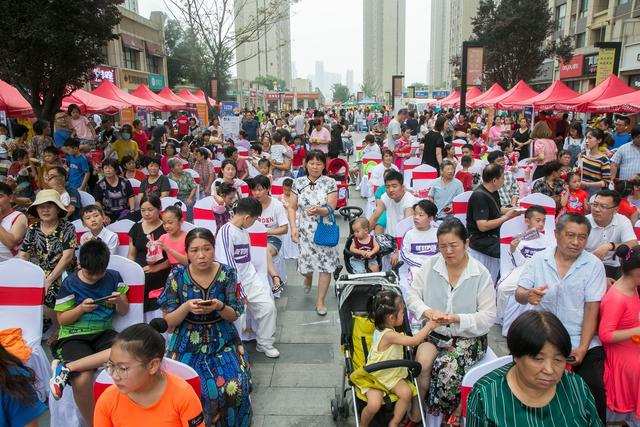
[(200, 304)]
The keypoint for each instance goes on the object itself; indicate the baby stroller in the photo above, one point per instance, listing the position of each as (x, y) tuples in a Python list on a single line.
[(338, 169), (356, 335)]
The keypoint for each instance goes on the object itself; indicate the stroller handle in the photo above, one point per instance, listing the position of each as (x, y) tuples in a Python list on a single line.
[(413, 366)]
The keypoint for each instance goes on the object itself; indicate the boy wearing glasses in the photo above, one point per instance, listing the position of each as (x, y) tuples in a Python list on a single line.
[(86, 303)]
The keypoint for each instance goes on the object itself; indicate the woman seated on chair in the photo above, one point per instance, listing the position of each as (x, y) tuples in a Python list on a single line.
[(144, 394), (534, 390), (460, 296)]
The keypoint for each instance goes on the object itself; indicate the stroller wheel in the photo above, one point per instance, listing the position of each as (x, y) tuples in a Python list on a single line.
[(344, 409), (334, 410)]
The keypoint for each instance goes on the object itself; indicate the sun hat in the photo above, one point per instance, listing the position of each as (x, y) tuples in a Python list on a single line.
[(45, 196)]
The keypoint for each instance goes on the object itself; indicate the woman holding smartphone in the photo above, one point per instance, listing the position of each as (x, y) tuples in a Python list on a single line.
[(200, 305)]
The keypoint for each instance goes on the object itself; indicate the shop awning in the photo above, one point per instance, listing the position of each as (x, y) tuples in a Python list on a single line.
[(171, 96), (609, 88), (188, 97), (90, 103), (627, 103), (520, 92), (132, 42), (144, 92), (13, 102), (557, 92), (108, 90), (201, 95), (494, 91), (474, 92)]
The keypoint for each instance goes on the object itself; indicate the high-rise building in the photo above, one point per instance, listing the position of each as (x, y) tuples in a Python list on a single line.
[(270, 55), (450, 26), (324, 80), (349, 81), (384, 41)]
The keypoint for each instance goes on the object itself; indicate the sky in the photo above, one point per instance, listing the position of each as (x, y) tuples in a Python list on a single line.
[(331, 31)]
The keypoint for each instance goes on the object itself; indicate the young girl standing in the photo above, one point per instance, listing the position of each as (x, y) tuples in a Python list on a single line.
[(402, 150), (173, 241), (386, 310), (574, 199)]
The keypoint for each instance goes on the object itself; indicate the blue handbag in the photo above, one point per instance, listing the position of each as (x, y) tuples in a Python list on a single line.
[(327, 234)]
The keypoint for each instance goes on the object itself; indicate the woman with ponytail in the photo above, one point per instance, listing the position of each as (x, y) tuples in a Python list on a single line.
[(142, 393), (619, 332), (19, 404)]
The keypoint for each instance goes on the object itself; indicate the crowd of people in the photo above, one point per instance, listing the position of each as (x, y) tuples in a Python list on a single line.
[(576, 282)]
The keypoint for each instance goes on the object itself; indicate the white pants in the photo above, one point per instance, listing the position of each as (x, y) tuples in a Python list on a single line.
[(262, 307), (506, 288)]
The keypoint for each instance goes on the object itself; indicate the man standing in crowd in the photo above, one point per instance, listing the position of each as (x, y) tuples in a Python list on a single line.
[(298, 124), (462, 127), (394, 131), (609, 230), (621, 135), (182, 123), (484, 218), (413, 124), (569, 282), (250, 125), (509, 192), (626, 160), (320, 136)]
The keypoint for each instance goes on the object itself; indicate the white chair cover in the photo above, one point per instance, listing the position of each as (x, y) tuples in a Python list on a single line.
[(203, 214), (121, 228), (86, 199)]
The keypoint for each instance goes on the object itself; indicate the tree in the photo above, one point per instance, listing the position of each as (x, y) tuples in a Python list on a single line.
[(49, 47), (185, 59), (340, 92), (218, 30), (268, 81), (419, 85), (370, 85), (528, 27)]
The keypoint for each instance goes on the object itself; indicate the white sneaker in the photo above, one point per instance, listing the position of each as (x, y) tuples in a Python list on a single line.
[(357, 188), (268, 350)]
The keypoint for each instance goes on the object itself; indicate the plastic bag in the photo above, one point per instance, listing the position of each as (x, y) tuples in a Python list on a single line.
[(154, 251)]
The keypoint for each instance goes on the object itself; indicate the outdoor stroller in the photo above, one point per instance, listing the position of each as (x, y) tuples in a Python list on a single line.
[(356, 335), (338, 169)]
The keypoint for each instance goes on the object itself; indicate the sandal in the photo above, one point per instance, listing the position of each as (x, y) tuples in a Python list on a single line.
[(277, 287)]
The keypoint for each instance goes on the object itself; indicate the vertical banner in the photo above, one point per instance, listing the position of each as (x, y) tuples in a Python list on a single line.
[(360, 96), (229, 108), (606, 64), (126, 116), (201, 113), (141, 114), (231, 126), (397, 84), (411, 92), (474, 66), (528, 113), (214, 88)]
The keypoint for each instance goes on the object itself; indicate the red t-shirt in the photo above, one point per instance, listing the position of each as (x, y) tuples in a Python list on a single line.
[(183, 125), (466, 178), (298, 156), (142, 139), (575, 202), (625, 208)]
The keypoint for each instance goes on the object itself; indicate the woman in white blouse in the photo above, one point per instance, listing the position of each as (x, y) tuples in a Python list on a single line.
[(461, 297)]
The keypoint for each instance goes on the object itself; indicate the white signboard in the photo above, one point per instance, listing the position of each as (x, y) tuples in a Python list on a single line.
[(231, 127)]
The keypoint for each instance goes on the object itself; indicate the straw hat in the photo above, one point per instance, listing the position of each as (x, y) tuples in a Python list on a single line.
[(45, 196)]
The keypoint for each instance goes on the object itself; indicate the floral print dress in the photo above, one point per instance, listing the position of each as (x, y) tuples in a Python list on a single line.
[(211, 346), (313, 257), (46, 250)]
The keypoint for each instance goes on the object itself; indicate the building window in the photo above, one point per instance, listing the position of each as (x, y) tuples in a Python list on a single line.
[(584, 8), (598, 35), (581, 40), (575, 85), (154, 64), (104, 51), (132, 5), (561, 12), (130, 57)]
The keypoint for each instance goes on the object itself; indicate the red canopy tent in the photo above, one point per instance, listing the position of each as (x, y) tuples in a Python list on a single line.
[(188, 97), (474, 92), (201, 95), (494, 91), (108, 90), (627, 103), (171, 96), (555, 93), (12, 101), (520, 92), (609, 88), (90, 103), (145, 93), (446, 98)]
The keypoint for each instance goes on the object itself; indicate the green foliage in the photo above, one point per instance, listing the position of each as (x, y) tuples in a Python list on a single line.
[(49, 47), (515, 35), (340, 92), (186, 59), (371, 87)]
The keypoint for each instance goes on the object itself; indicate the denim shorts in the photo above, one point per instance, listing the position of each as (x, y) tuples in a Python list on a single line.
[(275, 242), (358, 265)]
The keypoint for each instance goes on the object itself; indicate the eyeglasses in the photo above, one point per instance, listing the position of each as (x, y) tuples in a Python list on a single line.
[(601, 206), (121, 371)]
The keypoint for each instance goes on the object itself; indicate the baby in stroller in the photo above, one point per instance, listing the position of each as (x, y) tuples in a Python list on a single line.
[(386, 310), (364, 248)]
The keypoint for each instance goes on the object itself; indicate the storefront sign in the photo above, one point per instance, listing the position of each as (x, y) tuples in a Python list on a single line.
[(573, 68), (631, 58), (439, 94), (545, 72), (132, 79), (474, 66), (422, 94), (156, 81), (590, 65), (100, 74), (606, 64)]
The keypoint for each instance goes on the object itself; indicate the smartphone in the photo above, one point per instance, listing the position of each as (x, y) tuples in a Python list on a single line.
[(97, 300), (206, 303)]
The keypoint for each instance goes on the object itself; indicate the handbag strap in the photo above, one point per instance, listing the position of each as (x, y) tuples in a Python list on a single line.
[(330, 215)]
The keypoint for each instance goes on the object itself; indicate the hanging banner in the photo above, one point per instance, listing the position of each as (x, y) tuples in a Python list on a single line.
[(229, 108), (528, 113), (201, 113), (141, 114), (126, 116), (474, 66), (606, 62)]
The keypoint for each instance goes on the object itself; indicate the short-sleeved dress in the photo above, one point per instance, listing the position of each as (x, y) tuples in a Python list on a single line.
[(212, 346), (46, 250), (313, 257)]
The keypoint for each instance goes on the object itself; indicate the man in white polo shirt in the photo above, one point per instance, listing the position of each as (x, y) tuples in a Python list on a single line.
[(609, 230)]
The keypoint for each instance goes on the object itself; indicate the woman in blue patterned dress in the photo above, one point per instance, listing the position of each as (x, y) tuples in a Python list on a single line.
[(200, 304)]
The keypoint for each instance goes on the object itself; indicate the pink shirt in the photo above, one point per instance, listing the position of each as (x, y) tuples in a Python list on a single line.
[(81, 126), (547, 147), (176, 245), (323, 135)]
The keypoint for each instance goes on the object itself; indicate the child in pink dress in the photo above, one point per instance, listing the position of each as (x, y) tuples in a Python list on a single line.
[(402, 150), (619, 331), (173, 242)]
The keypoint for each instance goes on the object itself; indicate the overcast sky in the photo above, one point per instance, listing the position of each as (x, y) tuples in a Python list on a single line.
[(331, 31)]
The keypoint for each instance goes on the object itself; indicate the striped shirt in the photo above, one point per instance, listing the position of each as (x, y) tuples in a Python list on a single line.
[(595, 169), (491, 403)]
